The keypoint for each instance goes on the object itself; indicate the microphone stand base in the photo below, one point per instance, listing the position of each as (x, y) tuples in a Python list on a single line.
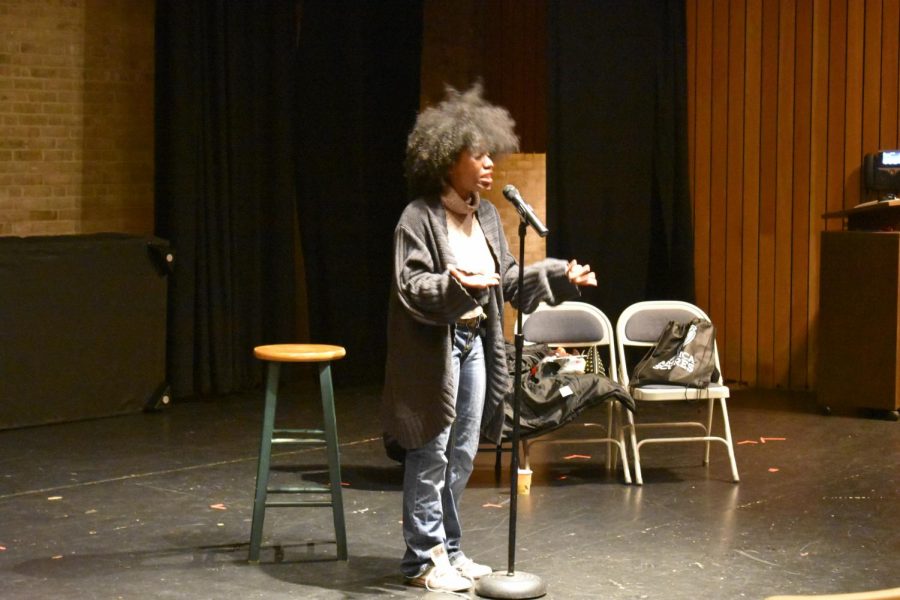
[(510, 585)]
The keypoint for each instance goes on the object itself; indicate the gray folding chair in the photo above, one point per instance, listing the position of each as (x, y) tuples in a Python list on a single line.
[(580, 325), (639, 326)]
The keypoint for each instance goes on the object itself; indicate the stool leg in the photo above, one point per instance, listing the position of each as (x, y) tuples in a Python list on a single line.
[(334, 458), (265, 455)]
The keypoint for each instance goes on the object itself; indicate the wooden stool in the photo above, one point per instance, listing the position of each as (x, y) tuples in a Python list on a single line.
[(274, 355)]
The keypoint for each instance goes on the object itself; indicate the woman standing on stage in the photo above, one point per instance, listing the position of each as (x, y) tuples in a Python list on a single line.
[(446, 374)]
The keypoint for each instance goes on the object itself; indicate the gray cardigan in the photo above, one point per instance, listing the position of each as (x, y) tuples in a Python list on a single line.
[(419, 399)]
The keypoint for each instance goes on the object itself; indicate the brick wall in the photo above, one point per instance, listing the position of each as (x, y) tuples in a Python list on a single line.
[(76, 116)]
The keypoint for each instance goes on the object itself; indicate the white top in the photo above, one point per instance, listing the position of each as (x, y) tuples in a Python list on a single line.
[(470, 247)]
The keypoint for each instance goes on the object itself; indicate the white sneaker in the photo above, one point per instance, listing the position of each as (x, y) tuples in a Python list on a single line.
[(441, 579), (470, 569)]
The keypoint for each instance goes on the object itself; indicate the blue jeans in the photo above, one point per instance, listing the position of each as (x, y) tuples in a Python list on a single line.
[(436, 474)]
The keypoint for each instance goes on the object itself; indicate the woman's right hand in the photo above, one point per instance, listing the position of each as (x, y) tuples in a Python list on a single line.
[(477, 281)]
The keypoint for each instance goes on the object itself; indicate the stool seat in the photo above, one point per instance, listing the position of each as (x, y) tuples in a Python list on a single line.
[(299, 352), (274, 355)]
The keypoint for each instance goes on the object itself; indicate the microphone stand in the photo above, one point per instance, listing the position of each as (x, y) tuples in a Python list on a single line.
[(514, 584)]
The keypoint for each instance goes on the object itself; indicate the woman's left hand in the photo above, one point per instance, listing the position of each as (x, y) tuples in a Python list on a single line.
[(581, 274)]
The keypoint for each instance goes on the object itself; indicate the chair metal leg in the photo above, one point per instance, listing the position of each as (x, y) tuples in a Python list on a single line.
[(638, 479), (611, 406), (265, 455), (709, 422), (334, 459), (620, 435), (526, 464), (729, 442)]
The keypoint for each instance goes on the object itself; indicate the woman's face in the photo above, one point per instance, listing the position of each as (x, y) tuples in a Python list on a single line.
[(472, 173)]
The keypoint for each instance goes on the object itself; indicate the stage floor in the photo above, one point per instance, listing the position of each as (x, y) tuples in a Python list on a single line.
[(158, 506)]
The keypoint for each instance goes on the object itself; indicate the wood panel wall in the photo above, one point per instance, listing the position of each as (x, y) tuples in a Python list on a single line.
[(504, 44), (785, 97)]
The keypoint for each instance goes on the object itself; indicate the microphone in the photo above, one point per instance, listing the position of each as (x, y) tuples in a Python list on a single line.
[(525, 211)]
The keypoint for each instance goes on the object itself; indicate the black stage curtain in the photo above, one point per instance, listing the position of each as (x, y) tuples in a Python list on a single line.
[(358, 78), (617, 172), (225, 185)]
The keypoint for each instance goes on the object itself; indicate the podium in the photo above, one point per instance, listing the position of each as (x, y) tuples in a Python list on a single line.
[(859, 311)]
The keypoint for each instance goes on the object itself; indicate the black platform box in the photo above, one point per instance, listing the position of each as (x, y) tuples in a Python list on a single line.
[(82, 326)]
